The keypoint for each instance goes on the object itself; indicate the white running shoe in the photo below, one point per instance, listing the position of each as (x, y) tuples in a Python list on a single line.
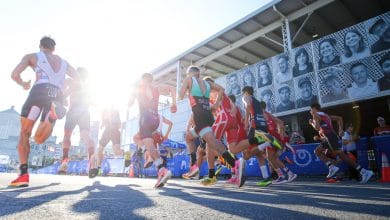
[(366, 176), (291, 177), (163, 176), (279, 180), (240, 172), (332, 171)]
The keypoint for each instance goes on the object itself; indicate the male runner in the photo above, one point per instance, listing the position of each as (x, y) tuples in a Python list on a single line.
[(257, 122), (322, 123), (78, 114), (111, 123), (148, 97), (45, 99), (228, 122), (199, 94)]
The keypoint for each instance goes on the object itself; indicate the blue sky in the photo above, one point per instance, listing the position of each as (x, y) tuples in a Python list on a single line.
[(115, 40)]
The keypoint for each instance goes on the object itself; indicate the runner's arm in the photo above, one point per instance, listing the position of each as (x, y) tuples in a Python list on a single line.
[(248, 105), (72, 72), (27, 60), (339, 121), (170, 124), (184, 88)]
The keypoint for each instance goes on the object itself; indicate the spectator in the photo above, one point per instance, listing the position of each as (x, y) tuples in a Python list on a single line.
[(328, 53), (354, 47), (382, 129), (349, 147), (382, 31), (265, 75), (384, 82), (302, 63), (284, 73), (362, 85)]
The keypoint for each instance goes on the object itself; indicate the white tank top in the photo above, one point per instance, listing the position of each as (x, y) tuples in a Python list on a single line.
[(46, 74)]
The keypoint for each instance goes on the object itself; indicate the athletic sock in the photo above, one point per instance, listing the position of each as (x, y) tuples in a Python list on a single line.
[(229, 158), (23, 169), (211, 173), (264, 171), (193, 158)]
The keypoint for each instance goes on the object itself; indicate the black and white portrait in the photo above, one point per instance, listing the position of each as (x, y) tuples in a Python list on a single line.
[(328, 54), (306, 91), (333, 85), (285, 97), (264, 74), (355, 46), (302, 62), (266, 94), (232, 84), (248, 79), (384, 64), (283, 69), (361, 84), (380, 30)]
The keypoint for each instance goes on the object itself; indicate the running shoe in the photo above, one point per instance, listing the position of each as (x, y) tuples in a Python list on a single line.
[(232, 180), (264, 183), (93, 167), (21, 181), (332, 180), (366, 176), (194, 170), (218, 169), (332, 171), (240, 168), (63, 167), (291, 177), (280, 180), (207, 181), (163, 175)]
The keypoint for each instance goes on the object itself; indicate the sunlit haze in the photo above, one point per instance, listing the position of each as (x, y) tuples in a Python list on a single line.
[(115, 41)]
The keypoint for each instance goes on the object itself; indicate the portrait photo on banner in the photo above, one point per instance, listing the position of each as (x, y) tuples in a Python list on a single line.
[(233, 86), (303, 60), (381, 61), (362, 76), (266, 94), (327, 51), (282, 70), (248, 76), (285, 96), (263, 73), (306, 90), (355, 45), (333, 83), (378, 30)]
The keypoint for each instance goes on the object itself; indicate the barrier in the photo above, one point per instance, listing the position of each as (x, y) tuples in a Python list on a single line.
[(305, 161)]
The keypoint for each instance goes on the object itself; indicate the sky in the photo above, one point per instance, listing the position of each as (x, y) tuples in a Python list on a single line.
[(116, 41)]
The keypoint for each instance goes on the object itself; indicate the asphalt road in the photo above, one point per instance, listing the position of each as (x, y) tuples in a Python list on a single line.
[(78, 197)]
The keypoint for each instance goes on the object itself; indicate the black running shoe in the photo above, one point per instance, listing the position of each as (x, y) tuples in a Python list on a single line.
[(93, 173)]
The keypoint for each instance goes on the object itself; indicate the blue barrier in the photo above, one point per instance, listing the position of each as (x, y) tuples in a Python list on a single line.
[(381, 145)]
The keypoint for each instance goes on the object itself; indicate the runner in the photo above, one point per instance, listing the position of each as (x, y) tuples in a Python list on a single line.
[(148, 97), (78, 114), (322, 123), (228, 122), (111, 123), (199, 94), (45, 99), (256, 121)]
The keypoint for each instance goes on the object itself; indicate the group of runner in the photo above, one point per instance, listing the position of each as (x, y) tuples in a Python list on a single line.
[(214, 116)]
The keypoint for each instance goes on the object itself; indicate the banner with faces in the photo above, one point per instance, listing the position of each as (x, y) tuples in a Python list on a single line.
[(350, 65)]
